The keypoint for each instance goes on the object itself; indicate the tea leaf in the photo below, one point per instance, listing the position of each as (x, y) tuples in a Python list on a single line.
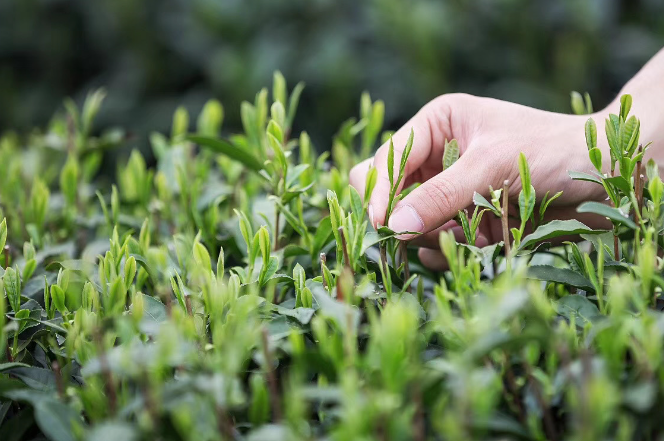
[(621, 183), (614, 143), (356, 204), (578, 307), (293, 102), (559, 275), (226, 148), (557, 228), (210, 118), (323, 234), (596, 158), (3, 233), (524, 172), (578, 106), (450, 153), (591, 134), (390, 163), (625, 106), (113, 431), (614, 214), (580, 176), (341, 313), (370, 184), (279, 88)]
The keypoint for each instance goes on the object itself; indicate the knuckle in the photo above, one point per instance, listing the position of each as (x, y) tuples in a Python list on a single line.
[(444, 195)]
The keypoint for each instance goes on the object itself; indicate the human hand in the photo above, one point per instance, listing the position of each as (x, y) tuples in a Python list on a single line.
[(491, 134)]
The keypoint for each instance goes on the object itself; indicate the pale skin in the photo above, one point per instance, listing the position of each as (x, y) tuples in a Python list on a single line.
[(491, 134)]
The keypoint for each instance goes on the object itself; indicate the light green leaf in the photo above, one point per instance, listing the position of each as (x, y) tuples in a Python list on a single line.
[(227, 148), (450, 154), (591, 134), (580, 176), (559, 275)]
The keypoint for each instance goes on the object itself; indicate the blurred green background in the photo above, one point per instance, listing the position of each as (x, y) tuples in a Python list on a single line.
[(152, 55)]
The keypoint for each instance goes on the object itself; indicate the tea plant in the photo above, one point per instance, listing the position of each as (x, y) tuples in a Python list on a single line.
[(236, 290)]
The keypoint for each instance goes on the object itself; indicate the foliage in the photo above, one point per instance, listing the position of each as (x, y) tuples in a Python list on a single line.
[(155, 54), (237, 291)]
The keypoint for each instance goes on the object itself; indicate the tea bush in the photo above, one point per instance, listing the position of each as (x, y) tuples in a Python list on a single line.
[(237, 291)]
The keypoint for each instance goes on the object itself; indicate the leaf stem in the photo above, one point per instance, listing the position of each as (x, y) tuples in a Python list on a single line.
[(106, 372), (344, 245), (510, 384), (271, 378), (504, 220), (276, 229), (58, 379), (549, 424), (403, 250), (385, 271), (639, 183), (419, 424)]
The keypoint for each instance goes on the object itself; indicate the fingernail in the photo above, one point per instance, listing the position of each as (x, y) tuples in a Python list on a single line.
[(406, 219), (371, 219)]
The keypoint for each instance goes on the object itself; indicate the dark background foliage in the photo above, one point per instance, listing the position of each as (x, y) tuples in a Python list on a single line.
[(152, 55)]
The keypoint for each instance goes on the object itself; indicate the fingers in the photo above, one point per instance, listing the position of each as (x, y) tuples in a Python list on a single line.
[(430, 127), (432, 259), (358, 175), (440, 198)]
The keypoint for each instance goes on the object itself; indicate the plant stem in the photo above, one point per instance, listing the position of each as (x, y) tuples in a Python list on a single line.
[(106, 372), (403, 249), (510, 383), (386, 269), (549, 425), (15, 344), (224, 423), (639, 183), (419, 425), (344, 245), (187, 302), (504, 220), (323, 260), (149, 400), (58, 379), (271, 378), (276, 230), (7, 262)]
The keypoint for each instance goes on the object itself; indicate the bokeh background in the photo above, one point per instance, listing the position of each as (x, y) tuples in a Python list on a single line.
[(152, 55)]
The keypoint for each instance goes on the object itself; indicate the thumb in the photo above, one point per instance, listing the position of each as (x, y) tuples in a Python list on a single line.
[(440, 198)]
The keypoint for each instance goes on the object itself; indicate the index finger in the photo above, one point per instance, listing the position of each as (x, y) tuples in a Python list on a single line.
[(430, 127)]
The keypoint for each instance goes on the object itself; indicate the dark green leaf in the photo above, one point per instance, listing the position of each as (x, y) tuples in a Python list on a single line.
[(577, 306), (557, 228), (612, 213), (342, 313), (621, 183), (566, 276)]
